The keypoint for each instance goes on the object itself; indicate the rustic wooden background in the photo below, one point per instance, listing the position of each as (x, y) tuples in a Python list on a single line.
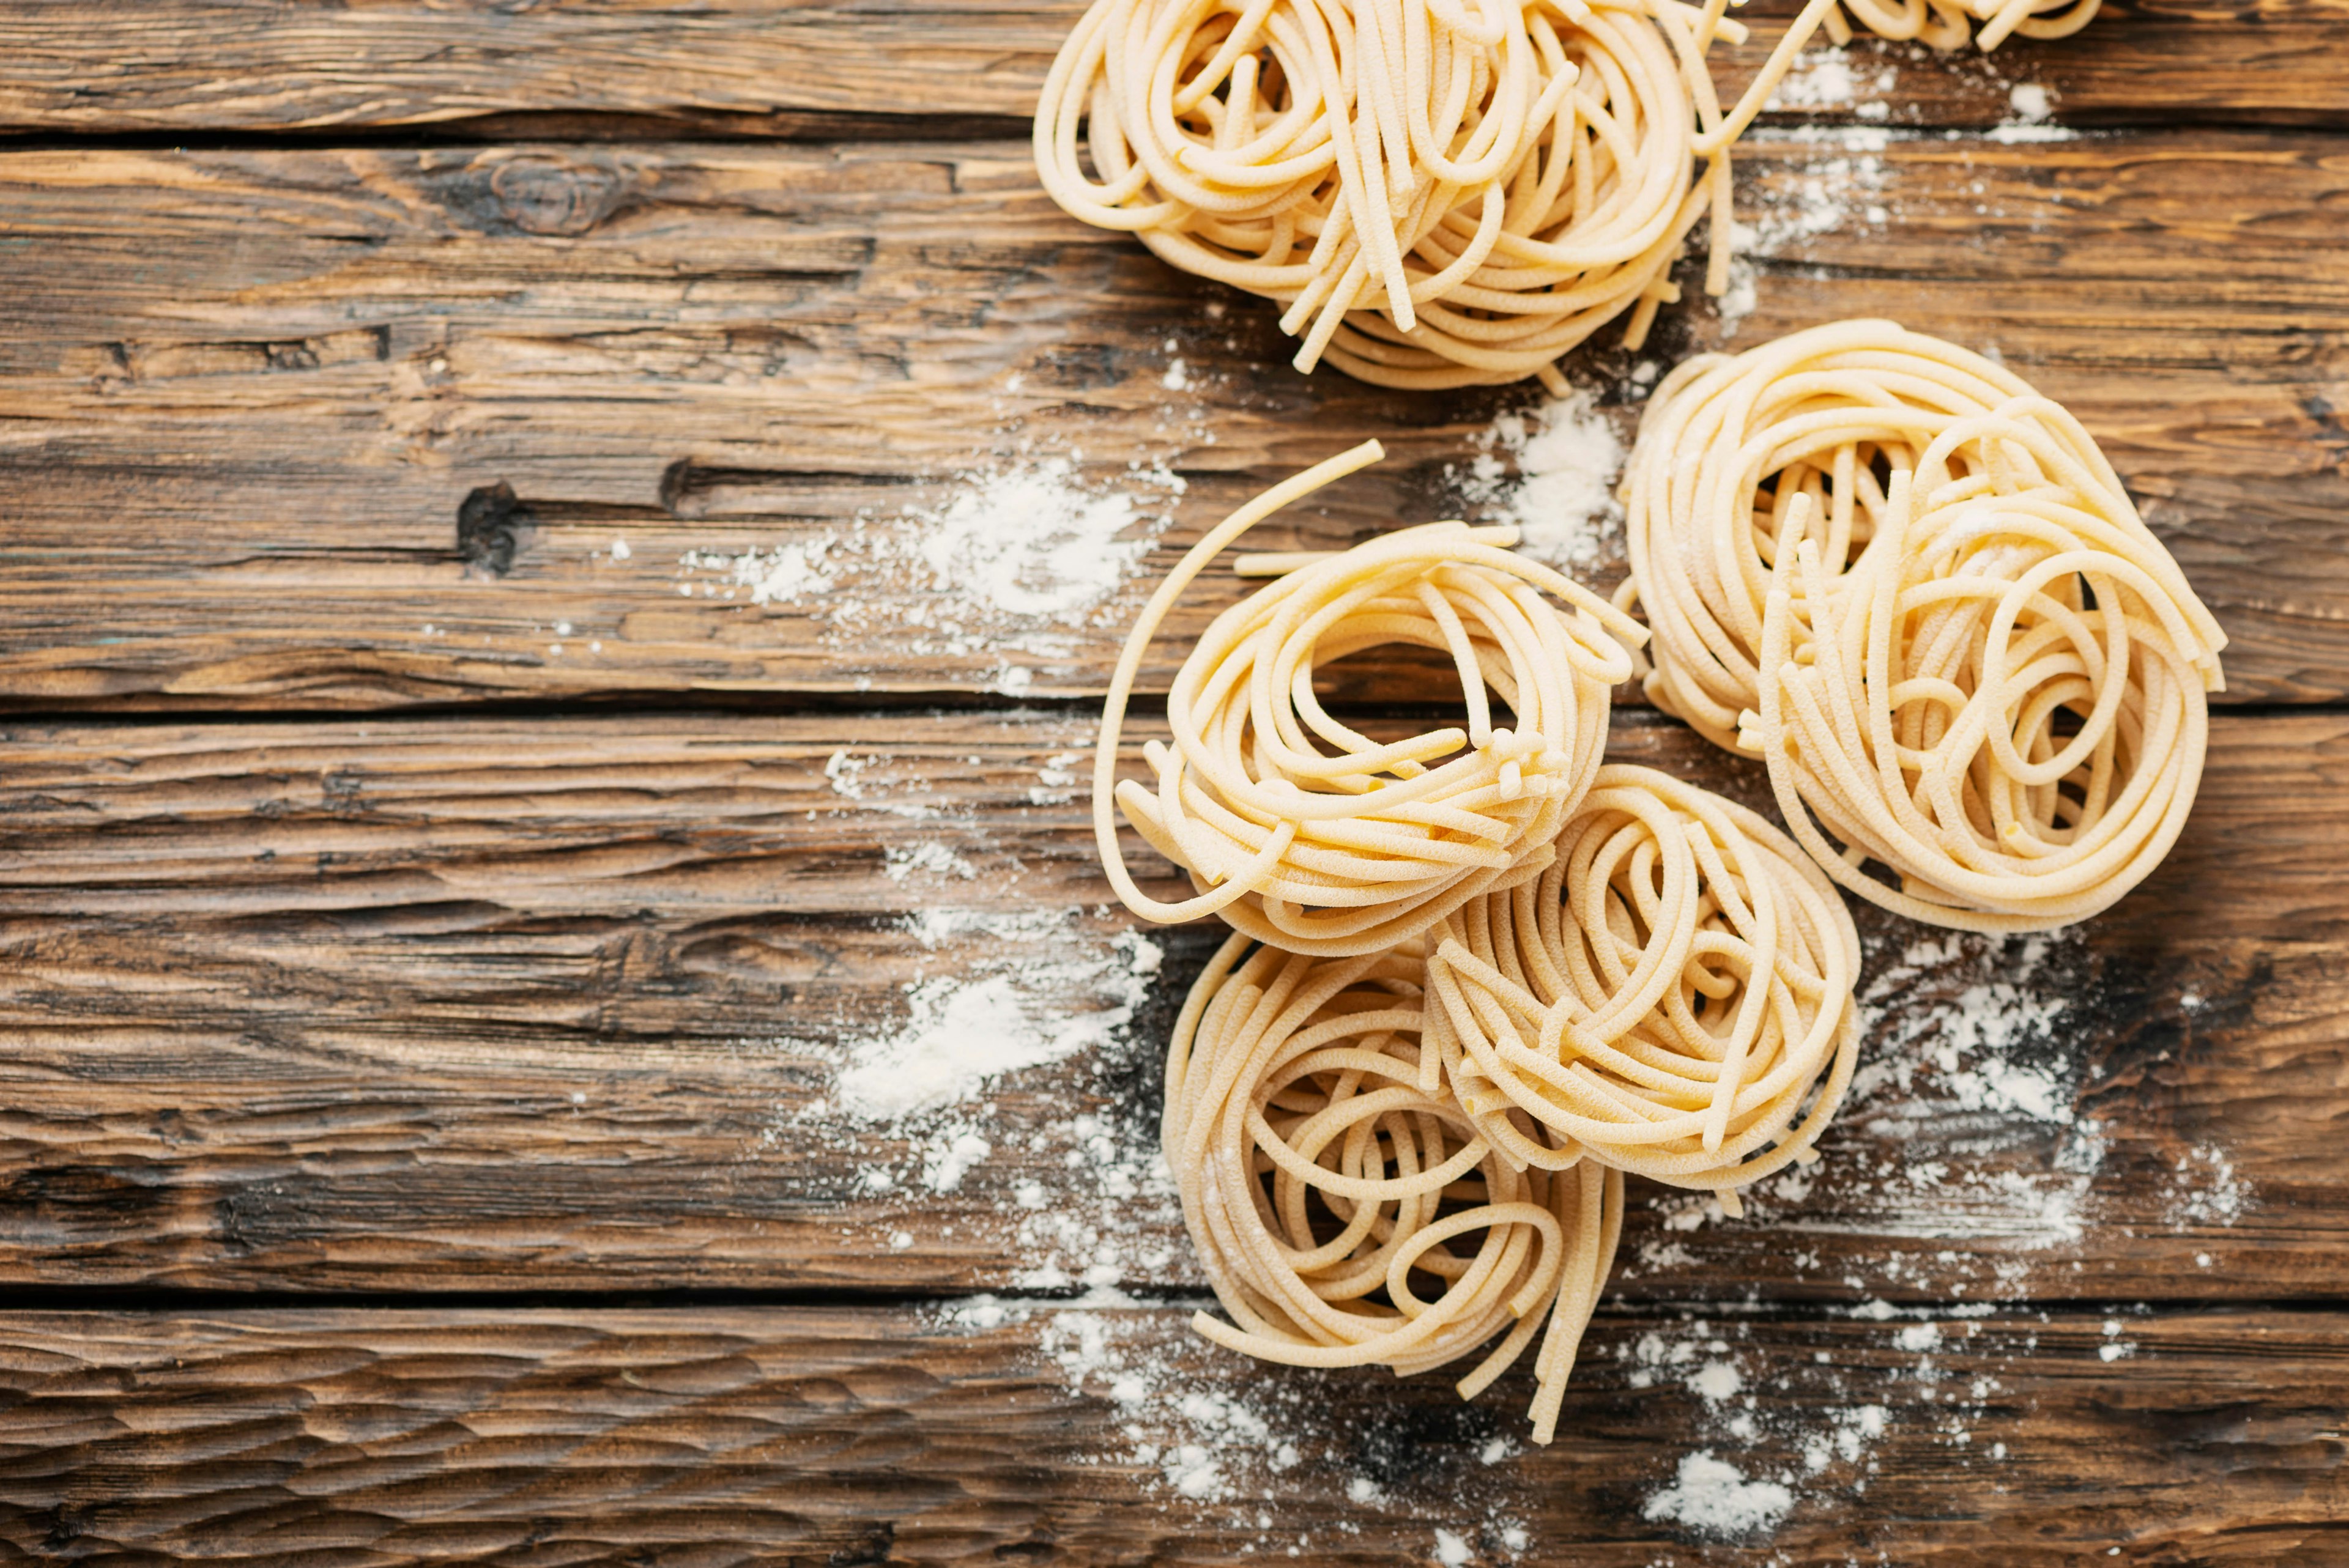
[(409, 1132)]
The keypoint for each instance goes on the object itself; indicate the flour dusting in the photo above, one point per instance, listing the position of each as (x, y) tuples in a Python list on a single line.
[(1026, 543), (1032, 993), (1551, 470), (1017, 556), (1971, 1077), (1712, 1496), (1834, 79), (1774, 1429), (1842, 186)]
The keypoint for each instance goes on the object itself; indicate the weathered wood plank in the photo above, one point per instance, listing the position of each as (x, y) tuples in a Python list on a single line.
[(889, 1435), (245, 397), (767, 66), (543, 1003)]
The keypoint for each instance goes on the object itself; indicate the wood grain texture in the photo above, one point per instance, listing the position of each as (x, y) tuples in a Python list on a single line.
[(567, 1003), (246, 397), (347, 409), (887, 1435), (750, 68)]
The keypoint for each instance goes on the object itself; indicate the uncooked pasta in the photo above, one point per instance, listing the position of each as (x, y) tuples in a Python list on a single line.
[(2003, 699), (1439, 192), (1946, 24), (1307, 834), (1726, 444), (1673, 996), (1346, 1216)]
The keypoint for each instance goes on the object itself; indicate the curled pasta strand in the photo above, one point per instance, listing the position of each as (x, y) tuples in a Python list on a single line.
[(1345, 1214), (1306, 834), (1671, 998), (1729, 443), (1915, 589), (1438, 194), (2007, 708)]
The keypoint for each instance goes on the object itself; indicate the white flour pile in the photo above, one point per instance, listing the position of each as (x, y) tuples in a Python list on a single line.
[(1712, 1496), (1019, 990), (2031, 106), (1025, 544), (1017, 556), (1551, 470), (1839, 79)]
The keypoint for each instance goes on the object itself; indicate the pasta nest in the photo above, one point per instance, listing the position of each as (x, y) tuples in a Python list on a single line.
[(1673, 996), (2003, 700), (1726, 444), (1440, 192), (1309, 835), (1346, 1210), (1946, 24)]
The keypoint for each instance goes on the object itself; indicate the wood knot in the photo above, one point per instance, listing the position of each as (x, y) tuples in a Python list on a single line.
[(493, 523), (541, 194)]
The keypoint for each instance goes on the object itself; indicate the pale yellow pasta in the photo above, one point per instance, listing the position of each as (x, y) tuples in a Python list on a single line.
[(1726, 444), (2003, 699), (1439, 192), (1946, 24), (1305, 833), (1672, 997), (1345, 1215)]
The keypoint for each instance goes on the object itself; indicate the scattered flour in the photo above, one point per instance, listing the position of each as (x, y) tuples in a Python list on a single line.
[(2033, 108), (783, 575), (2204, 1189), (943, 1171), (1712, 1496), (1807, 1427), (1017, 555), (1057, 779), (1716, 1381), (1845, 187), (1022, 990), (1551, 470), (1967, 1150), (1026, 543), (870, 780), (927, 858), (1967, 1056), (1841, 187), (1992, 1043), (1219, 1430), (1838, 79), (1211, 1433)]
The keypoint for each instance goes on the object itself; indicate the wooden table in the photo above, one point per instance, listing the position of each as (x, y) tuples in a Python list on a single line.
[(415, 1140)]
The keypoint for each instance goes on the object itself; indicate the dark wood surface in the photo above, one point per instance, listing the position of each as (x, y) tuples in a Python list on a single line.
[(248, 393), (309, 1011), (420, 1051), (874, 1434)]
